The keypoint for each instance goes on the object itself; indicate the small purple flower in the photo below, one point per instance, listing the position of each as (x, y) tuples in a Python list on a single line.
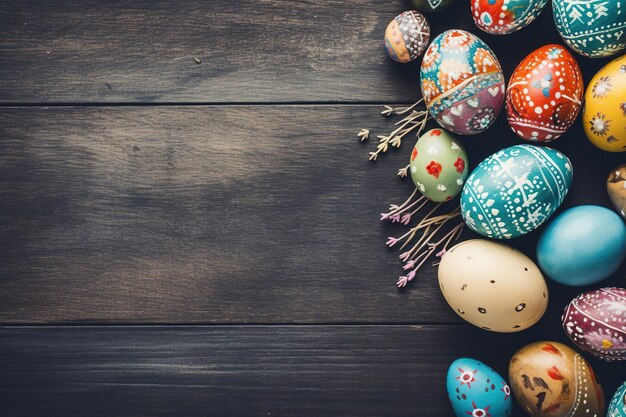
[(408, 265), (395, 218), (402, 281), (406, 218), (391, 241), (411, 275), (405, 256)]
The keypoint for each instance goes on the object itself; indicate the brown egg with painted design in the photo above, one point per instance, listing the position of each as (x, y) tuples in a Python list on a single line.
[(493, 286), (616, 187), (549, 379)]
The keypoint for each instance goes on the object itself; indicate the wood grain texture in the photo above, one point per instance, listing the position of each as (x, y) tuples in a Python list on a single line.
[(72, 51), (244, 214), (247, 371)]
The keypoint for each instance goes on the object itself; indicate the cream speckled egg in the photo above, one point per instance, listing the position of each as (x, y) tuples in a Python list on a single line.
[(549, 379), (493, 286)]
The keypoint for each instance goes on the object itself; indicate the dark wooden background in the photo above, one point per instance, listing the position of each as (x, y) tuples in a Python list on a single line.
[(202, 239)]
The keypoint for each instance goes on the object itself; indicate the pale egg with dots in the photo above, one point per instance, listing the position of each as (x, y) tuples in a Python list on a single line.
[(493, 286), (476, 390)]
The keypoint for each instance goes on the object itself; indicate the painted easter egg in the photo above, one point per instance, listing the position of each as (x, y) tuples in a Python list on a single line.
[(549, 379), (582, 245), (604, 112), (616, 187), (439, 165), (407, 36), (594, 28), (475, 389), (427, 6), (515, 190), (500, 17), (462, 82), (596, 322), (493, 286), (617, 406), (544, 94)]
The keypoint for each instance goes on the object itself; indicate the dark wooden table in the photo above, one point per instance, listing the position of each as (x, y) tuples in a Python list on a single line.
[(189, 225)]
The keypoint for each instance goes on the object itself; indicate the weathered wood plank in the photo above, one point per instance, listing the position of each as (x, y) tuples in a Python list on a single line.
[(264, 214), (250, 51), (247, 371)]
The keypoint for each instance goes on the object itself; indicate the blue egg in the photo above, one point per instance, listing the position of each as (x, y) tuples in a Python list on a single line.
[(582, 246), (476, 390), (617, 406), (515, 190)]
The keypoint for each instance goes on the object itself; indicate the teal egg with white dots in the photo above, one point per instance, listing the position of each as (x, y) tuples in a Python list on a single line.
[(617, 406), (515, 190), (593, 28)]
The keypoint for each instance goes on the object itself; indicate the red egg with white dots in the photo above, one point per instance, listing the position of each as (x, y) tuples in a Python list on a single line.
[(545, 94)]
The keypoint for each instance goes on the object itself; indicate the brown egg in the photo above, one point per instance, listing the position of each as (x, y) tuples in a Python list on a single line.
[(552, 380), (616, 187)]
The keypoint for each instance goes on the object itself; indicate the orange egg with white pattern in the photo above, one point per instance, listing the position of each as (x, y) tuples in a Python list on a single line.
[(544, 95)]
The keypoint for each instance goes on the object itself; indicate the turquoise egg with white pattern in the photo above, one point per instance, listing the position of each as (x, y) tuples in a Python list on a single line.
[(515, 190), (476, 390), (593, 28), (617, 406)]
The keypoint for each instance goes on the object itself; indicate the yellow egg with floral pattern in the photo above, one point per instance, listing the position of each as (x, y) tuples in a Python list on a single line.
[(604, 113)]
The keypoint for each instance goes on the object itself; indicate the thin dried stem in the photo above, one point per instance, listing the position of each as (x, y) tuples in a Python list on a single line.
[(415, 121), (426, 237), (403, 172), (399, 111)]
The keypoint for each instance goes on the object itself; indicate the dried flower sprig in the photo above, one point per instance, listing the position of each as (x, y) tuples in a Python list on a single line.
[(414, 121), (428, 228), (364, 134)]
